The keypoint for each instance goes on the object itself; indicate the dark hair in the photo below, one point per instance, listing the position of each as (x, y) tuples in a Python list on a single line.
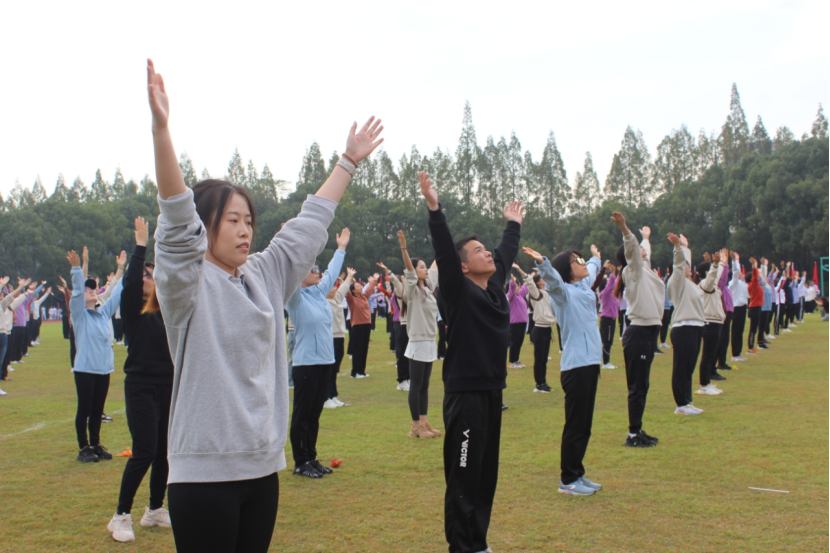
[(211, 198), (702, 269), (619, 288), (152, 303), (461, 242), (562, 264), (91, 284), (149, 265), (415, 261), (536, 278)]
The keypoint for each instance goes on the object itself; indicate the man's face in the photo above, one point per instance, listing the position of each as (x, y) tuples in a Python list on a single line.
[(479, 260)]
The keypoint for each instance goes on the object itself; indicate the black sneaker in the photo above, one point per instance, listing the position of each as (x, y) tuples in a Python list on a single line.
[(318, 466), (724, 368), (763, 346), (86, 455), (504, 407), (307, 470), (101, 452), (638, 441), (543, 387), (716, 376), (645, 436), (105, 418)]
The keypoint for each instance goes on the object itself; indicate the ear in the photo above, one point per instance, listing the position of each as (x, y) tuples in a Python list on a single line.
[(464, 268)]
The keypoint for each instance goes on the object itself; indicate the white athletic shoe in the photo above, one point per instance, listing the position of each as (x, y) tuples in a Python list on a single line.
[(715, 389), (2, 393), (159, 517), (11, 370), (707, 391), (121, 527), (549, 358), (782, 330), (329, 404), (770, 337), (792, 325), (738, 358), (560, 352), (403, 386), (609, 366), (686, 410), (664, 345), (338, 402)]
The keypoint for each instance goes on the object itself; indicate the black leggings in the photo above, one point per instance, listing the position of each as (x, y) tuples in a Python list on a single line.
[(92, 394), (224, 517), (622, 319), (607, 326), (419, 372), (580, 387), (339, 352), (401, 342), (359, 347), (148, 411), (517, 337)]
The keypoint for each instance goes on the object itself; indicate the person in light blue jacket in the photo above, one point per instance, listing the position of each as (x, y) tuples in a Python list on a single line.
[(310, 313), (568, 281), (94, 360)]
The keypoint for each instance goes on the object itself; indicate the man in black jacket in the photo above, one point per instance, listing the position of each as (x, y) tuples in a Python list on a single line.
[(477, 315)]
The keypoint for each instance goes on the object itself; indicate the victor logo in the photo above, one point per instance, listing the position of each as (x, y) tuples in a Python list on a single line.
[(464, 447)]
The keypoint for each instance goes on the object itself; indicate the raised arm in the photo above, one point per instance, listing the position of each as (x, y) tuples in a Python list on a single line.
[(11, 296), (109, 289), (407, 262), (507, 250), (450, 275), (633, 255), (336, 262), (168, 173), (77, 303), (358, 147), (708, 283), (344, 286), (132, 294), (552, 278)]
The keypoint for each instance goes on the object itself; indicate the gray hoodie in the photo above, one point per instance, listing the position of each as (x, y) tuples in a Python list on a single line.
[(229, 412)]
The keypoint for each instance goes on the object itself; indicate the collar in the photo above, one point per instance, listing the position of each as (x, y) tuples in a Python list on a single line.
[(240, 274)]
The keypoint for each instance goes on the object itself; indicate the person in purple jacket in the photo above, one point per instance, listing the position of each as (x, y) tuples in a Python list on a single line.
[(518, 321), (18, 335), (729, 309), (608, 316)]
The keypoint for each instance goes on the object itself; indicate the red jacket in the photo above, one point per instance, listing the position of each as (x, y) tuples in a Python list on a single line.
[(756, 291)]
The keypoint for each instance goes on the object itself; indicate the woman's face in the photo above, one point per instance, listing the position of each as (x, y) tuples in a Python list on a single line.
[(233, 241), (421, 270), (579, 270)]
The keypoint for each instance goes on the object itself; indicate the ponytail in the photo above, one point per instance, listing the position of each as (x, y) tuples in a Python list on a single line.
[(619, 288)]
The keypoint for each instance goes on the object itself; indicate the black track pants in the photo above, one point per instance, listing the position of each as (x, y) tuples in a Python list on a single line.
[(723, 343), (92, 395), (638, 350), (339, 352), (686, 348), (708, 357), (580, 387), (542, 337), (738, 323), (401, 341), (517, 338), (607, 328), (311, 386)]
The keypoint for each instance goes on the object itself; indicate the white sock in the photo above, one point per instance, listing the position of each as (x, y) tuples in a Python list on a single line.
[(630, 435)]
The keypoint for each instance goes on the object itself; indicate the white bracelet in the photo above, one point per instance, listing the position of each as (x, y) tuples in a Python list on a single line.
[(350, 168)]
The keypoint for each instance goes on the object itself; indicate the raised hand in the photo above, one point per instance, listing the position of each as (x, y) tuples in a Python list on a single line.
[(646, 232), (674, 239), (351, 272), (359, 145), (159, 103), (753, 261), (607, 264), (595, 252), (142, 231), (684, 241), (63, 282), (382, 266), (343, 238), (716, 258), (73, 258), (724, 255), (534, 255), (427, 191), (85, 255), (619, 220), (4, 281), (519, 269), (121, 260), (402, 239), (49, 290), (735, 256), (514, 212)]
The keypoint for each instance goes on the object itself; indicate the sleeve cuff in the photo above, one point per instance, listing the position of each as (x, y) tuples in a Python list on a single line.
[(178, 209), (331, 205)]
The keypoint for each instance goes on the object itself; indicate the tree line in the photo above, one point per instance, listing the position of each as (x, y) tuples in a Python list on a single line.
[(746, 190)]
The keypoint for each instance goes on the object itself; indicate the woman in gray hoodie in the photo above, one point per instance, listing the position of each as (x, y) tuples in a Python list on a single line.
[(222, 309)]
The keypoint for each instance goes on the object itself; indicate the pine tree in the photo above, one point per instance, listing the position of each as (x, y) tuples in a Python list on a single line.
[(252, 178), (487, 181), (387, 179), (675, 161), (148, 187), (516, 171), (15, 200), (591, 182), (313, 172), (130, 189), (783, 136), (465, 157), (366, 176), (735, 139), (820, 124), (554, 192), (205, 174), (78, 192), (118, 187), (630, 180), (441, 168), (761, 142), (188, 171), (38, 193), (61, 193), (706, 153), (236, 170), (99, 189)]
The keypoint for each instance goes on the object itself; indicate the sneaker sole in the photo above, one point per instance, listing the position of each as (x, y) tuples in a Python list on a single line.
[(568, 492), (122, 540), (541, 391), (151, 524)]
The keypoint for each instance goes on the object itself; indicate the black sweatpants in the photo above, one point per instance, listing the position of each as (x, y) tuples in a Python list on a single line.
[(5, 355), (148, 412), (311, 386), (542, 336), (401, 342), (738, 323), (393, 335), (18, 338), (686, 347), (224, 517), (723, 343), (768, 316), (359, 347), (762, 324), (708, 357), (118, 329), (24, 343), (607, 329), (559, 336), (621, 318), (664, 329), (92, 395), (638, 351), (517, 338), (754, 324), (471, 466), (420, 373), (442, 340), (65, 325), (580, 387), (339, 352)]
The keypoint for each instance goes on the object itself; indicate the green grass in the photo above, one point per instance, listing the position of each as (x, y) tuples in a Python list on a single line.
[(691, 493)]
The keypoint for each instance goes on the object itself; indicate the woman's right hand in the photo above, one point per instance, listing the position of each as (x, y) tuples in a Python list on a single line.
[(159, 103), (142, 231), (427, 191), (674, 239), (382, 266), (73, 258), (402, 239), (534, 255)]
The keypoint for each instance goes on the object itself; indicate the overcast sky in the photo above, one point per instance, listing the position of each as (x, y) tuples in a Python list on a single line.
[(270, 78)]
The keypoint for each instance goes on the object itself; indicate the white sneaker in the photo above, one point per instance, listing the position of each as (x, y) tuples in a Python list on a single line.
[(738, 359), (782, 330), (609, 366), (792, 325), (664, 345), (2, 393), (329, 404), (159, 517), (770, 337), (686, 410), (549, 358), (350, 357), (121, 527), (11, 370), (403, 386), (715, 389), (560, 352), (706, 391), (693, 408), (338, 402)]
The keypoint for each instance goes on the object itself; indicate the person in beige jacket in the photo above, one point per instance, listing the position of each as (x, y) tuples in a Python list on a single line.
[(714, 314), (542, 333), (338, 328)]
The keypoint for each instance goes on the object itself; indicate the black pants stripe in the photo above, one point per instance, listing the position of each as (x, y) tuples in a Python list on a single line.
[(708, 358), (738, 324), (686, 347), (419, 388), (723, 343), (359, 347), (148, 412), (607, 329), (580, 387), (339, 352), (541, 337), (401, 342), (311, 385), (92, 395), (224, 517), (638, 350), (471, 466), (517, 338)]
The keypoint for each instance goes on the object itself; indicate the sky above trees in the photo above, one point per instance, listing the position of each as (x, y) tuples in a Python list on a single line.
[(271, 79)]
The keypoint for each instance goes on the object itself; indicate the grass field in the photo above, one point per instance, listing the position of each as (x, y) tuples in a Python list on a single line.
[(769, 429)]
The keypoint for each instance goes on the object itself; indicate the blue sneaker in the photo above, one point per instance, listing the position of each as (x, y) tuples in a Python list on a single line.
[(575, 488), (588, 484)]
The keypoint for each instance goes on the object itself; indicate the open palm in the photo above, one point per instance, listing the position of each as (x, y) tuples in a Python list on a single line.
[(360, 144), (159, 103)]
